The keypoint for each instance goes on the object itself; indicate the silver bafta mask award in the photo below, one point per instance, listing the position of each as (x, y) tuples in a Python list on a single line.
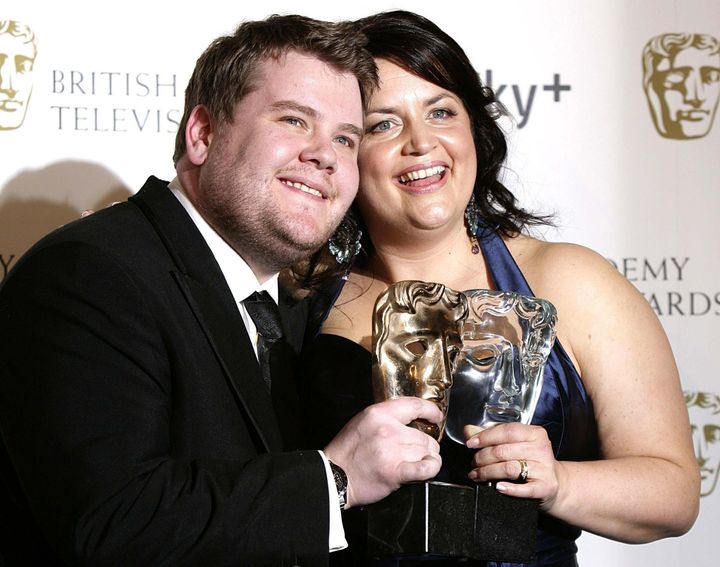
[(507, 338), (416, 336)]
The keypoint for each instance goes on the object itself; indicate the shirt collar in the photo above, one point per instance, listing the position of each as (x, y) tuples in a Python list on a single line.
[(238, 274)]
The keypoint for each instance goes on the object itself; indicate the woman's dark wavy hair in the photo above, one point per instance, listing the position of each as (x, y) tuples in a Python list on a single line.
[(420, 47)]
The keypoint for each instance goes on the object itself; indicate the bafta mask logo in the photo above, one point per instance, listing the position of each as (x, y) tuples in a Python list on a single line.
[(416, 336), (18, 48), (681, 78), (704, 410)]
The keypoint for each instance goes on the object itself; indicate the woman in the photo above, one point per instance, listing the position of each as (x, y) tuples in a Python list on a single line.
[(609, 450)]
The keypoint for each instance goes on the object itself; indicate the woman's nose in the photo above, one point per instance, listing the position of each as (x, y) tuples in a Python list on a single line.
[(420, 139)]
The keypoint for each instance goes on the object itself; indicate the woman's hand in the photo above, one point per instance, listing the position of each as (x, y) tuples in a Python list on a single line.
[(502, 451)]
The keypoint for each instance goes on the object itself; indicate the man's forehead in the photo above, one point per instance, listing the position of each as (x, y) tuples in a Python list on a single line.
[(297, 64), (308, 83)]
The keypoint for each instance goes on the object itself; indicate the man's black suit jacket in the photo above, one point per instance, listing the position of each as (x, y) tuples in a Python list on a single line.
[(138, 428)]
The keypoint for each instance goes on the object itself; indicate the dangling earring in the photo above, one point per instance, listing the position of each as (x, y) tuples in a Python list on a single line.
[(472, 218), (345, 244)]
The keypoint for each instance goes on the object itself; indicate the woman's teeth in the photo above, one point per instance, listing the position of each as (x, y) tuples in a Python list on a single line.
[(421, 173)]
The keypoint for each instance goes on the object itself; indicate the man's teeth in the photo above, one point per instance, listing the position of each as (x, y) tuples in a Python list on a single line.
[(304, 188), (422, 173)]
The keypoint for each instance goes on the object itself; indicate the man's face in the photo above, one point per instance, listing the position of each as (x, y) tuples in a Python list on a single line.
[(706, 438), (278, 179), (688, 87), (416, 358), (16, 65)]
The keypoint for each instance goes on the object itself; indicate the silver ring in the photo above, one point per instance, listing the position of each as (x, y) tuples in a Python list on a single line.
[(523, 476)]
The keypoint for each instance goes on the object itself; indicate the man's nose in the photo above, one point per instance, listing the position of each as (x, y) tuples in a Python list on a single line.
[(320, 152)]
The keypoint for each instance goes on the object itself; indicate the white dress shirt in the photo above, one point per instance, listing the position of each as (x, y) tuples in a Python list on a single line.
[(242, 282)]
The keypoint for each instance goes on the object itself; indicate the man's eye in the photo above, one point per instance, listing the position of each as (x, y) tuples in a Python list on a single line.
[(292, 120), (345, 141)]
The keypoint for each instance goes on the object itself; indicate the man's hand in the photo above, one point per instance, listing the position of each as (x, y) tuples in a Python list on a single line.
[(378, 452)]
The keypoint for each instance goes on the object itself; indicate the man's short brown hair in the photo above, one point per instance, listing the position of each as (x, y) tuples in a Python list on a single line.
[(224, 73)]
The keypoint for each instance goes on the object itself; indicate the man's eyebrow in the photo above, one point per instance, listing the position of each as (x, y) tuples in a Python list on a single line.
[(291, 105), (352, 129), (314, 114)]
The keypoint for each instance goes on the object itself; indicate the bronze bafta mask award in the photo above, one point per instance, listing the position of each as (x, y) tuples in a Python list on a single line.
[(506, 338), (416, 336)]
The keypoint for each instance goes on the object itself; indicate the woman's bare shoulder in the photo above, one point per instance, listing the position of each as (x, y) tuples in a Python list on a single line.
[(559, 265)]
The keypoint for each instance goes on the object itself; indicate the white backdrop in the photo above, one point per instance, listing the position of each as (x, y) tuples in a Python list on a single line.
[(108, 83)]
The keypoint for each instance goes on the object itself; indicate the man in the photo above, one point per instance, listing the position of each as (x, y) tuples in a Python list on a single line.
[(681, 77), (138, 423), (18, 48)]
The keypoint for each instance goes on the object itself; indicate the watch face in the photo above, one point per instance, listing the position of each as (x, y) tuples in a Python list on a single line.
[(340, 479)]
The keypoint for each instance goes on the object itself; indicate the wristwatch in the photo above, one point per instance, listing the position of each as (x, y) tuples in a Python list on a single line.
[(340, 483)]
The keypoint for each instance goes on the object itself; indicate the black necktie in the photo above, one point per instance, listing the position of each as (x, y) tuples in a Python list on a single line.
[(265, 314)]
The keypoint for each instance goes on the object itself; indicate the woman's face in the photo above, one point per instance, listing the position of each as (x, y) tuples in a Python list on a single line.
[(417, 159)]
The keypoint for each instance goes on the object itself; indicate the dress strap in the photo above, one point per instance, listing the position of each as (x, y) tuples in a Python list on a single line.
[(321, 303), (504, 271)]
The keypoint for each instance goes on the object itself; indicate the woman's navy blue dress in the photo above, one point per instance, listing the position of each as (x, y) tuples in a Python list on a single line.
[(336, 385)]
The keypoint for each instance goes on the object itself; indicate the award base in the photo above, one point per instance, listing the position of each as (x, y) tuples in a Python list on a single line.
[(449, 520)]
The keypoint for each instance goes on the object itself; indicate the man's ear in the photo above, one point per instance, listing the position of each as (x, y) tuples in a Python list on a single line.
[(198, 134)]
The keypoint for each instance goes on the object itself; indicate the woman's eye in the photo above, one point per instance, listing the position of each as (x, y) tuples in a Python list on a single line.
[(381, 126), (440, 113)]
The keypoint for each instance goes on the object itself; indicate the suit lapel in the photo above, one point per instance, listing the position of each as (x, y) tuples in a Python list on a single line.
[(208, 295)]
